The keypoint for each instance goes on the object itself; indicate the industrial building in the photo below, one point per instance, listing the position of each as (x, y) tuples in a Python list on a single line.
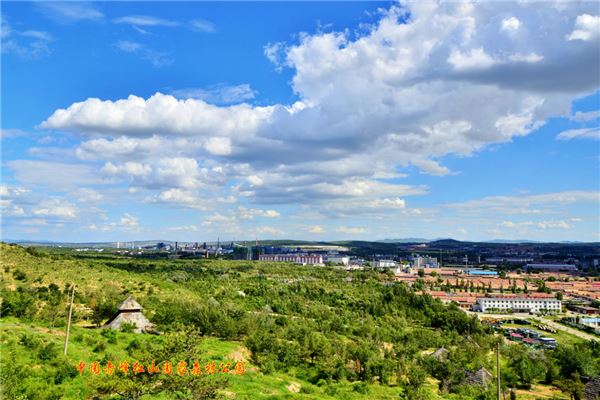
[(508, 260), (552, 267)]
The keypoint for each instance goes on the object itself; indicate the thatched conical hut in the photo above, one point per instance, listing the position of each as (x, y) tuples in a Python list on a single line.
[(129, 311), (481, 377)]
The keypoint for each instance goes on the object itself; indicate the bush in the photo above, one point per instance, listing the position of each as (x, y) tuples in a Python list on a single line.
[(360, 387), (133, 345), (100, 347), (110, 335), (19, 275), (31, 342), (48, 352)]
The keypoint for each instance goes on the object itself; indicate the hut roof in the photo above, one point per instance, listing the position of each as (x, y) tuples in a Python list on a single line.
[(440, 353), (130, 305), (480, 377), (130, 312)]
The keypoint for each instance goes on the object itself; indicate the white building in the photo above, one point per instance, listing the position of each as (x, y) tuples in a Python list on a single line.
[(517, 304), (383, 264), (304, 259), (423, 262), (339, 260)]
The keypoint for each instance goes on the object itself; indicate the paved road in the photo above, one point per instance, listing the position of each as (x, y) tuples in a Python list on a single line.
[(555, 325)]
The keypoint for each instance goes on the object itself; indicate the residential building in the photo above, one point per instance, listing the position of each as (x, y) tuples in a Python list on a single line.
[(517, 304), (418, 261), (339, 260), (383, 264), (304, 259)]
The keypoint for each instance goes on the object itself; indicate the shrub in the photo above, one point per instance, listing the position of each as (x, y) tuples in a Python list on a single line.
[(29, 341), (48, 352), (110, 335), (100, 347), (133, 345), (19, 275)]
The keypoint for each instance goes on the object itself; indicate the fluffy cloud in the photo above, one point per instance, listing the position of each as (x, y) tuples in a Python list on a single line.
[(587, 27), (181, 197), (250, 213), (129, 168), (123, 148), (473, 60), (179, 172), (510, 24), (160, 114), (56, 208)]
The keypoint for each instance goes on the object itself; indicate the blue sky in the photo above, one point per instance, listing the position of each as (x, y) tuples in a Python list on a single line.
[(361, 120)]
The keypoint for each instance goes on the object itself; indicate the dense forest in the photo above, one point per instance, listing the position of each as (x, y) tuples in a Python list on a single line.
[(309, 332)]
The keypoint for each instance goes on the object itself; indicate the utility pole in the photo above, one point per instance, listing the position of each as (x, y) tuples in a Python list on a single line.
[(498, 370), (69, 321)]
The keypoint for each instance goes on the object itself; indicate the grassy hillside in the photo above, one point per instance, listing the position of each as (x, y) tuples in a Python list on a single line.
[(308, 332)]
